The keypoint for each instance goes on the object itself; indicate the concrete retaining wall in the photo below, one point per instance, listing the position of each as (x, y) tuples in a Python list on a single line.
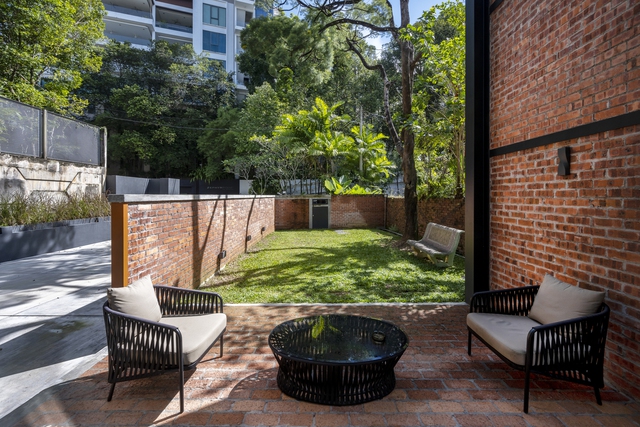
[(29, 175)]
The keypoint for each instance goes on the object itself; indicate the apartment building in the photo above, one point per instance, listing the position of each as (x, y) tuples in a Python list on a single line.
[(213, 27)]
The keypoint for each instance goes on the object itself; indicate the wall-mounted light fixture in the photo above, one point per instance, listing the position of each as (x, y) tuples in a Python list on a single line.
[(564, 161), (248, 237), (263, 229), (222, 254)]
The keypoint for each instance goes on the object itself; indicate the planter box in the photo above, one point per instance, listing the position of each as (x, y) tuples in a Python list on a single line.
[(23, 241)]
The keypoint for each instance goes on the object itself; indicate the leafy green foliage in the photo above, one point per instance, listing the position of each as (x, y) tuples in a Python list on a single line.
[(357, 189), (342, 186), (155, 105), (19, 209), (439, 36), (301, 63), (45, 45), (316, 139), (272, 43), (336, 186), (233, 139), (324, 266)]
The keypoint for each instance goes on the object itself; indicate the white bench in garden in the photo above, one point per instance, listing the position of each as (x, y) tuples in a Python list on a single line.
[(439, 244)]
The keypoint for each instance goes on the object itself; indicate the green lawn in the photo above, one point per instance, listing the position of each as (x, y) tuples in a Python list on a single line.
[(345, 266)]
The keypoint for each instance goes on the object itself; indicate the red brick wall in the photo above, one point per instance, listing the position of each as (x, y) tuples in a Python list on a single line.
[(449, 212), (291, 213), (178, 242), (556, 65), (345, 212), (356, 211)]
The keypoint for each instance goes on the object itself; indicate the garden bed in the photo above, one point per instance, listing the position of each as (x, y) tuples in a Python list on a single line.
[(21, 241)]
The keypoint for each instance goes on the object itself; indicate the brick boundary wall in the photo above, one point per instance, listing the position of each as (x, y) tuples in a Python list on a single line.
[(357, 211), (291, 213), (556, 65), (177, 239), (449, 212)]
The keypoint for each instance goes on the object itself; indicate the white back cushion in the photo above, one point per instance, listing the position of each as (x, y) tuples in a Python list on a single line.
[(137, 299), (557, 301)]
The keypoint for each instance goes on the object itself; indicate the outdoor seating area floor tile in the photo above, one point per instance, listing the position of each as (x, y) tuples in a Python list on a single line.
[(438, 384)]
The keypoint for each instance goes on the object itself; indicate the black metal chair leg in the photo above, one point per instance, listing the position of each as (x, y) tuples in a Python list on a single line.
[(598, 398), (113, 386), (469, 344), (221, 343), (181, 389), (526, 391)]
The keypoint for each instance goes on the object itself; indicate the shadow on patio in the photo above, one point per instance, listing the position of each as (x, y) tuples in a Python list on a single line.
[(437, 384)]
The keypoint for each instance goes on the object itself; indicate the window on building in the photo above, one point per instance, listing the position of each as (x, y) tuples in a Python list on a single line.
[(214, 42), (215, 15)]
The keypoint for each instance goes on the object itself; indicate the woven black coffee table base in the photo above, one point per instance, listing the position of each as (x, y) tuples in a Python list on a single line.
[(337, 359), (336, 385)]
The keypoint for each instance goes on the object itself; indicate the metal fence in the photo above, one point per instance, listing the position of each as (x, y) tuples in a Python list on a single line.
[(34, 132)]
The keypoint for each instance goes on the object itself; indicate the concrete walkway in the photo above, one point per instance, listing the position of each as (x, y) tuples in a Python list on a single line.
[(51, 327)]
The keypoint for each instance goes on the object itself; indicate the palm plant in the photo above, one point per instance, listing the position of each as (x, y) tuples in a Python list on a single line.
[(371, 154)]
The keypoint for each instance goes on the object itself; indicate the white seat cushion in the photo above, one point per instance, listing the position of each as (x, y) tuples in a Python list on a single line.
[(198, 333), (506, 334)]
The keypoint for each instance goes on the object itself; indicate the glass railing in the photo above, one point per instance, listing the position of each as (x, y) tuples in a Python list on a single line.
[(126, 10), (174, 27), (132, 40)]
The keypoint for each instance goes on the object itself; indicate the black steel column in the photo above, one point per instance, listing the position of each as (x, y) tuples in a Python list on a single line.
[(477, 218)]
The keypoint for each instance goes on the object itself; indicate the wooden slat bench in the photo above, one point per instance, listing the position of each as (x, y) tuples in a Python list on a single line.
[(439, 244)]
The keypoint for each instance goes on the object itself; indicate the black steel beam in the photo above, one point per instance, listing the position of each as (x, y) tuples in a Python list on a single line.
[(618, 122), (477, 218)]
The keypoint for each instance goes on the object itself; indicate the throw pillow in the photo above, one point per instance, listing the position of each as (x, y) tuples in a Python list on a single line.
[(137, 299), (557, 301)]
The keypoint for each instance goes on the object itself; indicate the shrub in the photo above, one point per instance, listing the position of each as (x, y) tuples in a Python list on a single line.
[(38, 208)]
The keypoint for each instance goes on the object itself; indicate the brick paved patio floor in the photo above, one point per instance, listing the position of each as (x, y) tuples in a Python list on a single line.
[(438, 384)]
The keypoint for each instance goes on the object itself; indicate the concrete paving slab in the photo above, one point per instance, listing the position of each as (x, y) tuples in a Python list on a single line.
[(51, 327)]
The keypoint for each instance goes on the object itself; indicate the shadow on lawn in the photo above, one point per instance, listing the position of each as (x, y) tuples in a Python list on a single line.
[(280, 269)]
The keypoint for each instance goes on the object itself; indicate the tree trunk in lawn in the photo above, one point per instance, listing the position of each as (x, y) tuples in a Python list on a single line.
[(408, 138)]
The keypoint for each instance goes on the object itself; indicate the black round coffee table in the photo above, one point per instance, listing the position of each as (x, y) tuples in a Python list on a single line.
[(337, 359)]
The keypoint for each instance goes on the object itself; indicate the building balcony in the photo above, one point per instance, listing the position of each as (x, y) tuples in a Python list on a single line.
[(133, 40), (174, 27), (186, 4), (127, 11)]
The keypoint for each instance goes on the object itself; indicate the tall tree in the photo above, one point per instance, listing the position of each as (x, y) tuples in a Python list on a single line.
[(45, 45), (356, 20), (303, 63), (272, 43)]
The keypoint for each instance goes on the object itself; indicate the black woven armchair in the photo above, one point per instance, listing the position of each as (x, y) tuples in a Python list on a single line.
[(571, 349), (191, 323)]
